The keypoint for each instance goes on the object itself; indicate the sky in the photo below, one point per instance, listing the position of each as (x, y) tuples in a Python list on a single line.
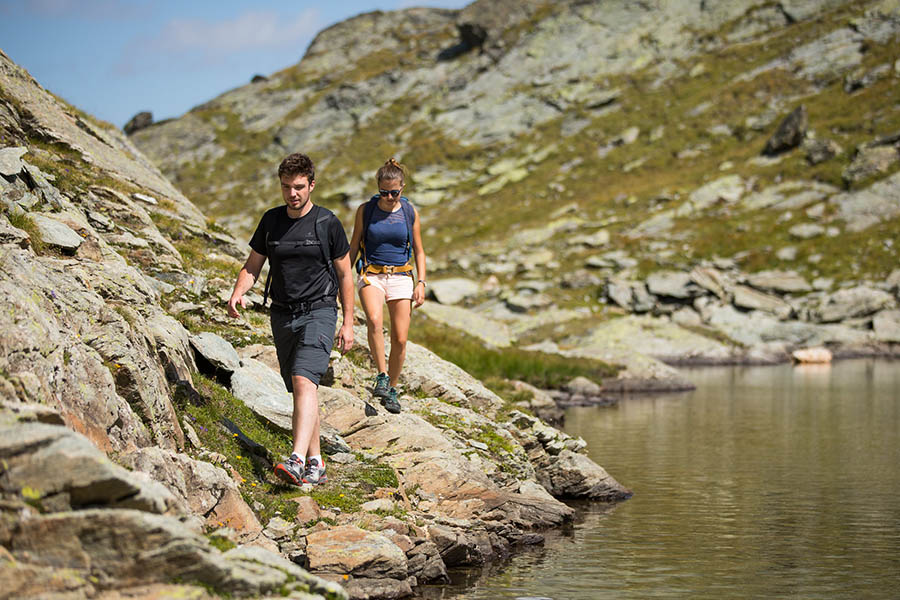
[(115, 58)]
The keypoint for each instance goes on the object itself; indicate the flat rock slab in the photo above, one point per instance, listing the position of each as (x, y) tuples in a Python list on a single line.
[(67, 472), (217, 351), (57, 234), (490, 331), (453, 290), (351, 550), (11, 160)]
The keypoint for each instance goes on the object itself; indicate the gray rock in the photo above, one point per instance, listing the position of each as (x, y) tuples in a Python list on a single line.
[(712, 280), (819, 150), (728, 190), (576, 476), (12, 235), (201, 488), (155, 549), (630, 295), (673, 284), (870, 161), (492, 332), (356, 551), (746, 297), (263, 391), (790, 132), (877, 203), (55, 233), (523, 302), (854, 302), (11, 160), (141, 120), (784, 282), (453, 290), (584, 386), (893, 281), (173, 347), (805, 231), (216, 351), (886, 325), (788, 253), (67, 472)]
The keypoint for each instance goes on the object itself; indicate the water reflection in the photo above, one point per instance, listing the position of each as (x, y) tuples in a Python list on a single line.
[(764, 481)]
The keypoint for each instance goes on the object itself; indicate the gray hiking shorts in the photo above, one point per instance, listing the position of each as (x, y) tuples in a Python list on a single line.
[(303, 342)]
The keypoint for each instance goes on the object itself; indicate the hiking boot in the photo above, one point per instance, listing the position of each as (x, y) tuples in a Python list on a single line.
[(390, 403), (314, 473), (382, 383), (290, 471)]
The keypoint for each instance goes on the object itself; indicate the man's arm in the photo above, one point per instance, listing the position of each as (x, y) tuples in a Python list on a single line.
[(245, 280), (345, 288)]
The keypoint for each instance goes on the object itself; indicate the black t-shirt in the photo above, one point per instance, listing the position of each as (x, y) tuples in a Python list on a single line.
[(296, 261)]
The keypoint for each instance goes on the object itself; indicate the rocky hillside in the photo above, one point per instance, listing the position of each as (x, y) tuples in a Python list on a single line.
[(725, 173), (139, 426)]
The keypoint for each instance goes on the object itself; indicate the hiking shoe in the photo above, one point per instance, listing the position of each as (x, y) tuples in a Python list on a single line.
[(290, 471), (390, 403), (314, 473), (382, 383)]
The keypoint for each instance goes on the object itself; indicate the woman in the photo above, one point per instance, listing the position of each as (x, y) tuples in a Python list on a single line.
[(387, 234)]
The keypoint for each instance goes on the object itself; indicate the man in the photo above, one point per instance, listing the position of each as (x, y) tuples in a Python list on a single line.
[(309, 265)]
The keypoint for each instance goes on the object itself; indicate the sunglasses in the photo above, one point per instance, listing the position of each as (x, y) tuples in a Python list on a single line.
[(391, 193)]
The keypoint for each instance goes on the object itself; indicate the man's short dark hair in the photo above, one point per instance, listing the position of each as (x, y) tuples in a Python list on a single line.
[(297, 164)]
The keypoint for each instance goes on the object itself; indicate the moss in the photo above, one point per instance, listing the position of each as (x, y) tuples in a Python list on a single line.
[(24, 222), (221, 543)]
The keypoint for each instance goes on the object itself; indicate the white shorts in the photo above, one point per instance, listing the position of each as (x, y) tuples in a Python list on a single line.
[(395, 286)]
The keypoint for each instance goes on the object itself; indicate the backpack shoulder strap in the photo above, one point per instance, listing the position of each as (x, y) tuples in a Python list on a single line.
[(323, 218), (409, 214)]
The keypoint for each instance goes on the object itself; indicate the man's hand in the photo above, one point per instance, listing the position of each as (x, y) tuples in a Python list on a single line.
[(232, 305), (345, 338)]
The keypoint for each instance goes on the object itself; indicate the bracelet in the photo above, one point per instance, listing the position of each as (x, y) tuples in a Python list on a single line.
[(422, 281)]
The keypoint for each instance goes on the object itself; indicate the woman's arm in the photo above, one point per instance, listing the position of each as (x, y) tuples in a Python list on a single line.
[(419, 250), (356, 236)]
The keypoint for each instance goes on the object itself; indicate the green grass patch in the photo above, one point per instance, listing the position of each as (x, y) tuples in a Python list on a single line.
[(23, 221), (542, 370)]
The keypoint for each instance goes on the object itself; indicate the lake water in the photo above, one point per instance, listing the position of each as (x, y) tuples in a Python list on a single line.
[(763, 482)]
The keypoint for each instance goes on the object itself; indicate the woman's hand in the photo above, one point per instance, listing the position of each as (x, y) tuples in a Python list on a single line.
[(419, 294)]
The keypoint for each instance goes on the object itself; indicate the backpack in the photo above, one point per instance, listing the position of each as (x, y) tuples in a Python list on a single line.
[(409, 214), (323, 215)]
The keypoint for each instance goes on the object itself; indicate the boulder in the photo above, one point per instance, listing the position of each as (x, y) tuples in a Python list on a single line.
[(64, 471), (126, 548), (790, 132), (859, 301), (782, 282), (805, 231), (577, 476), (819, 150), (216, 351), (11, 160), (54, 233), (357, 552), (886, 326), (141, 120), (870, 161), (812, 355), (672, 284), (201, 488), (746, 297), (727, 189), (867, 207), (490, 331), (453, 290)]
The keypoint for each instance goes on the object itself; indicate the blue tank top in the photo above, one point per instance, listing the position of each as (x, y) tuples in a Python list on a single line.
[(386, 238)]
